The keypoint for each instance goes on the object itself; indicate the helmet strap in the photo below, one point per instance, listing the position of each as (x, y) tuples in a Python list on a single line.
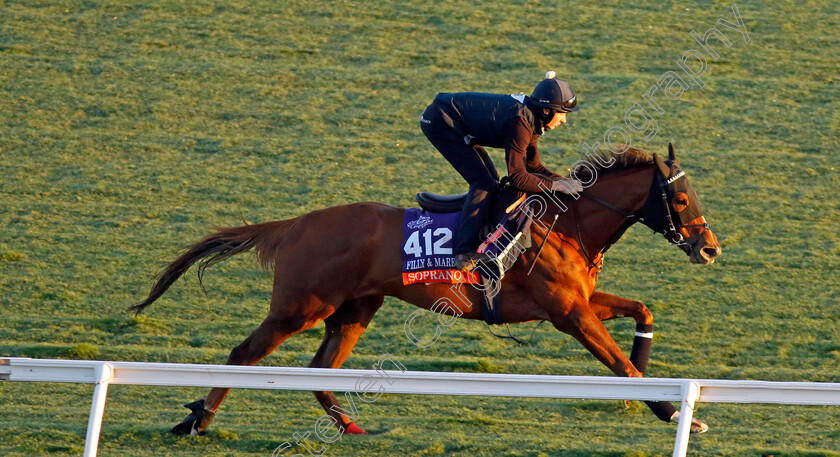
[(546, 118), (541, 118)]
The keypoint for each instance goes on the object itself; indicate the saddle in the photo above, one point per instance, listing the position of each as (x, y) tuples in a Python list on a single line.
[(502, 202)]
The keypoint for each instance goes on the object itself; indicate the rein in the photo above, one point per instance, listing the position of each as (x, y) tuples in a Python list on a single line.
[(580, 240)]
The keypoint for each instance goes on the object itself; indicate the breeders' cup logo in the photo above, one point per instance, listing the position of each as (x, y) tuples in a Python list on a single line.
[(421, 222)]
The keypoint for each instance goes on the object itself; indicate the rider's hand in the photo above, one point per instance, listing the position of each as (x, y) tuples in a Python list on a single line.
[(567, 186)]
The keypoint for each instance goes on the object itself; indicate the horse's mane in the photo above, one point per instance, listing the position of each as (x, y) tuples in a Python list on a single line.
[(630, 158)]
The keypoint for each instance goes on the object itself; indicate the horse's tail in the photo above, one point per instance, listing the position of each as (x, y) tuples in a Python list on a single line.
[(226, 242)]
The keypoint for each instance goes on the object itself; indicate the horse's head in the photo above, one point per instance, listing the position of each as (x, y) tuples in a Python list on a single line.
[(673, 209)]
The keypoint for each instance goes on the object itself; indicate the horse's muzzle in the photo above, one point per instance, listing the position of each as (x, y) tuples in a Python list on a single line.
[(706, 250)]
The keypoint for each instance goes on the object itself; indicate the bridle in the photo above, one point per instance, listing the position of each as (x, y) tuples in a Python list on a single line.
[(668, 230)]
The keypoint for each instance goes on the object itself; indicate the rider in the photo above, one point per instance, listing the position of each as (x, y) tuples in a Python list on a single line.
[(460, 124)]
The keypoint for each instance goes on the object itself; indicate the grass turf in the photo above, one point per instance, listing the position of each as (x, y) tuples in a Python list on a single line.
[(129, 129)]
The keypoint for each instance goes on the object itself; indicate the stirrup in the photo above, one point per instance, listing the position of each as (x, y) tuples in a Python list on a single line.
[(469, 261)]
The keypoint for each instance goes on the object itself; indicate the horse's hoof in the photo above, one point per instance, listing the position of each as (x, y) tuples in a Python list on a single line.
[(187, 427), (354, 429), (196, 422), (697, 426)]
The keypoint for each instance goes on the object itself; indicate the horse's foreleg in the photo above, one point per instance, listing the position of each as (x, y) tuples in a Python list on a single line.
[(343, 330), (263, 341), (607, 306), (586, 327)]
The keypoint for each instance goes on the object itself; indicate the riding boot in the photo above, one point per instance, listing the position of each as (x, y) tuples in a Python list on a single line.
[(473, 216)]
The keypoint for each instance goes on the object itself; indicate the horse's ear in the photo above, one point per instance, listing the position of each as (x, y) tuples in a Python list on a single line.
[(664, 169), (672, 156)]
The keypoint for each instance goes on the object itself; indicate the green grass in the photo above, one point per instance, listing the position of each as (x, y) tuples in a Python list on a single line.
[(130, 129)]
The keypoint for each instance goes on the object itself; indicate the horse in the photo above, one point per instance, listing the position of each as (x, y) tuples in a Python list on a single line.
[(337, 264)]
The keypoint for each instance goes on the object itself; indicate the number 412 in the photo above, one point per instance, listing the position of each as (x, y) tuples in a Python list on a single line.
[(443, 235)]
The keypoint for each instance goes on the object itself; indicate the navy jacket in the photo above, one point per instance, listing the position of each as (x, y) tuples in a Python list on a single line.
[(500, 121)]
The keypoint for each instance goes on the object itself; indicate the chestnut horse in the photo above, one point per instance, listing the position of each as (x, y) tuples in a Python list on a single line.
[(337, 264)]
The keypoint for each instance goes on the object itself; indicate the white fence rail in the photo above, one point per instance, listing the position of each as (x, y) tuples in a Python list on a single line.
[(685, 391)]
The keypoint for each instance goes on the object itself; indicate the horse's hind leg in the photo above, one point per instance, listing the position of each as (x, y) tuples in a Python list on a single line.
[(607, 306), (263, 341), (343, 329)]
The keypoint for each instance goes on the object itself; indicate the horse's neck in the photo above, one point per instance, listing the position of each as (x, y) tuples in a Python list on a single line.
[(595, 226)]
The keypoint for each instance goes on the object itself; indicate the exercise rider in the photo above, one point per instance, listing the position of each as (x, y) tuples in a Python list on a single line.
[(460, 124)]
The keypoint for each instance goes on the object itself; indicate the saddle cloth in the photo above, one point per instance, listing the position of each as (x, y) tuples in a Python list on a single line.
[(427, 255), (427, 249)]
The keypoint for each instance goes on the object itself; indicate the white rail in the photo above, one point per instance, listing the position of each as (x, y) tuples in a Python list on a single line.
[(685, 391)]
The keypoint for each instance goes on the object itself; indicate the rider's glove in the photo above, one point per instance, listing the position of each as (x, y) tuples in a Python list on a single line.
[(566, 186)]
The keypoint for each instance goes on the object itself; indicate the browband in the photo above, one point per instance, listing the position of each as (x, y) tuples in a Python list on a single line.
[(677, 176)]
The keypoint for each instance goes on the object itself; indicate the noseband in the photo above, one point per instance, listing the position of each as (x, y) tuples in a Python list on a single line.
[(670, 232)]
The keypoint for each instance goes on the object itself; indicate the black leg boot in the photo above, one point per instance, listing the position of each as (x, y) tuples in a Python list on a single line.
[(196, 422)]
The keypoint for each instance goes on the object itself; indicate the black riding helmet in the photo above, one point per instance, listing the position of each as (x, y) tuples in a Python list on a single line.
[(554, 94)]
